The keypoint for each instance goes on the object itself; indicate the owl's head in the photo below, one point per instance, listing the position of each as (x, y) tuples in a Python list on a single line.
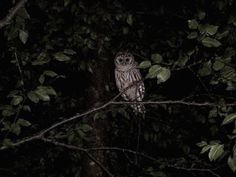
[(124, 59)]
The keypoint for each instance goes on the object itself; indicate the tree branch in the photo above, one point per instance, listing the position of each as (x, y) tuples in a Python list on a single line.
[(172, 102), (81, 150), (86, 150), (113, 102), (6, 20)]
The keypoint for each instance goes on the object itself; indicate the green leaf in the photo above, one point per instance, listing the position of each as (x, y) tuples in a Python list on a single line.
[(41, 59), (8, 112), (42, 94), (153, 71), (192, 35), (59, 56), (27, 108), (210, 42), (23, 122), (33, 97), (41, 79), (7, 142), (202, 144), (66, 2), (182, 60), (85, 127), (229, 118), (216, 151), (208, 29), (46, 73), (201, 15), (156, 58), (16, 100), (48, 90), (163, 75), (232, 163), (129, 19), (69, 52), (205, 148), (218, 65), (205, 70), (23, 36), (15, 128), (145, 64), (50, 73), (23, 13), (192, 24)]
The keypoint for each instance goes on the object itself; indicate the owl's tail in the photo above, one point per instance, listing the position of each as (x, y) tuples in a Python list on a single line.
[(139, 109)]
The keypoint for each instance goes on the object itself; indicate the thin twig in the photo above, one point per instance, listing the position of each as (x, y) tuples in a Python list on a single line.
[(195, 169), (79, 149), (86, 150), (172, 102), (6, 20)]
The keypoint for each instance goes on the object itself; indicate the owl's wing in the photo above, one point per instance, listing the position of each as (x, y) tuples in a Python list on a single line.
[(121, 86), (118, 80), (138, 90)]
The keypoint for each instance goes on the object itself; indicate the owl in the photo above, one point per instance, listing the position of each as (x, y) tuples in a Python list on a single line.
[(127, 75)]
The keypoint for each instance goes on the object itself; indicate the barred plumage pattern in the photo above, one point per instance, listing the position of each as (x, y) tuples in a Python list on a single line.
[(128, 75)]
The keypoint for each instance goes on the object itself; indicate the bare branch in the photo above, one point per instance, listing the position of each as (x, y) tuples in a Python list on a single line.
[(6, 20), (172, 102), (86, 150), (79, 149)]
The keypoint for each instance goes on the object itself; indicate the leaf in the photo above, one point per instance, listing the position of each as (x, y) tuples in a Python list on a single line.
[(205, 148), (202, 144), (69, 52), (85, 127), (50, 73), (41, 59), (129, 19), (153, 70), (163, 75), (42, 94), (23, 122), (205, 70), (216, 151), (156, 58), (7, 142), (229, 118), (49, 90), (46, 73), (23, 13), (33, 97), (192, 35), (59, 56), (232, 163), (23, 36), (192, 24), (182, 60), (208, 29), (201, 15), (8, 112), (41, 79), (27, 108), (210, 42), (145, 64), (218, 65), (66, 2), (15, 128), (16, 100)]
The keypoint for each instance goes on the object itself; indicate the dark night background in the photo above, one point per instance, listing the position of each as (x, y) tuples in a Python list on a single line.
[(56, 60)]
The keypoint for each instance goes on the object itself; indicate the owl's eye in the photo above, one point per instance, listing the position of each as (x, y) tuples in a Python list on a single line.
[(127, 60), (120, 60)]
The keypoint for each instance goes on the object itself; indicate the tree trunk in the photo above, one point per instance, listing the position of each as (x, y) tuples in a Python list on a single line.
[(97, 95)]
